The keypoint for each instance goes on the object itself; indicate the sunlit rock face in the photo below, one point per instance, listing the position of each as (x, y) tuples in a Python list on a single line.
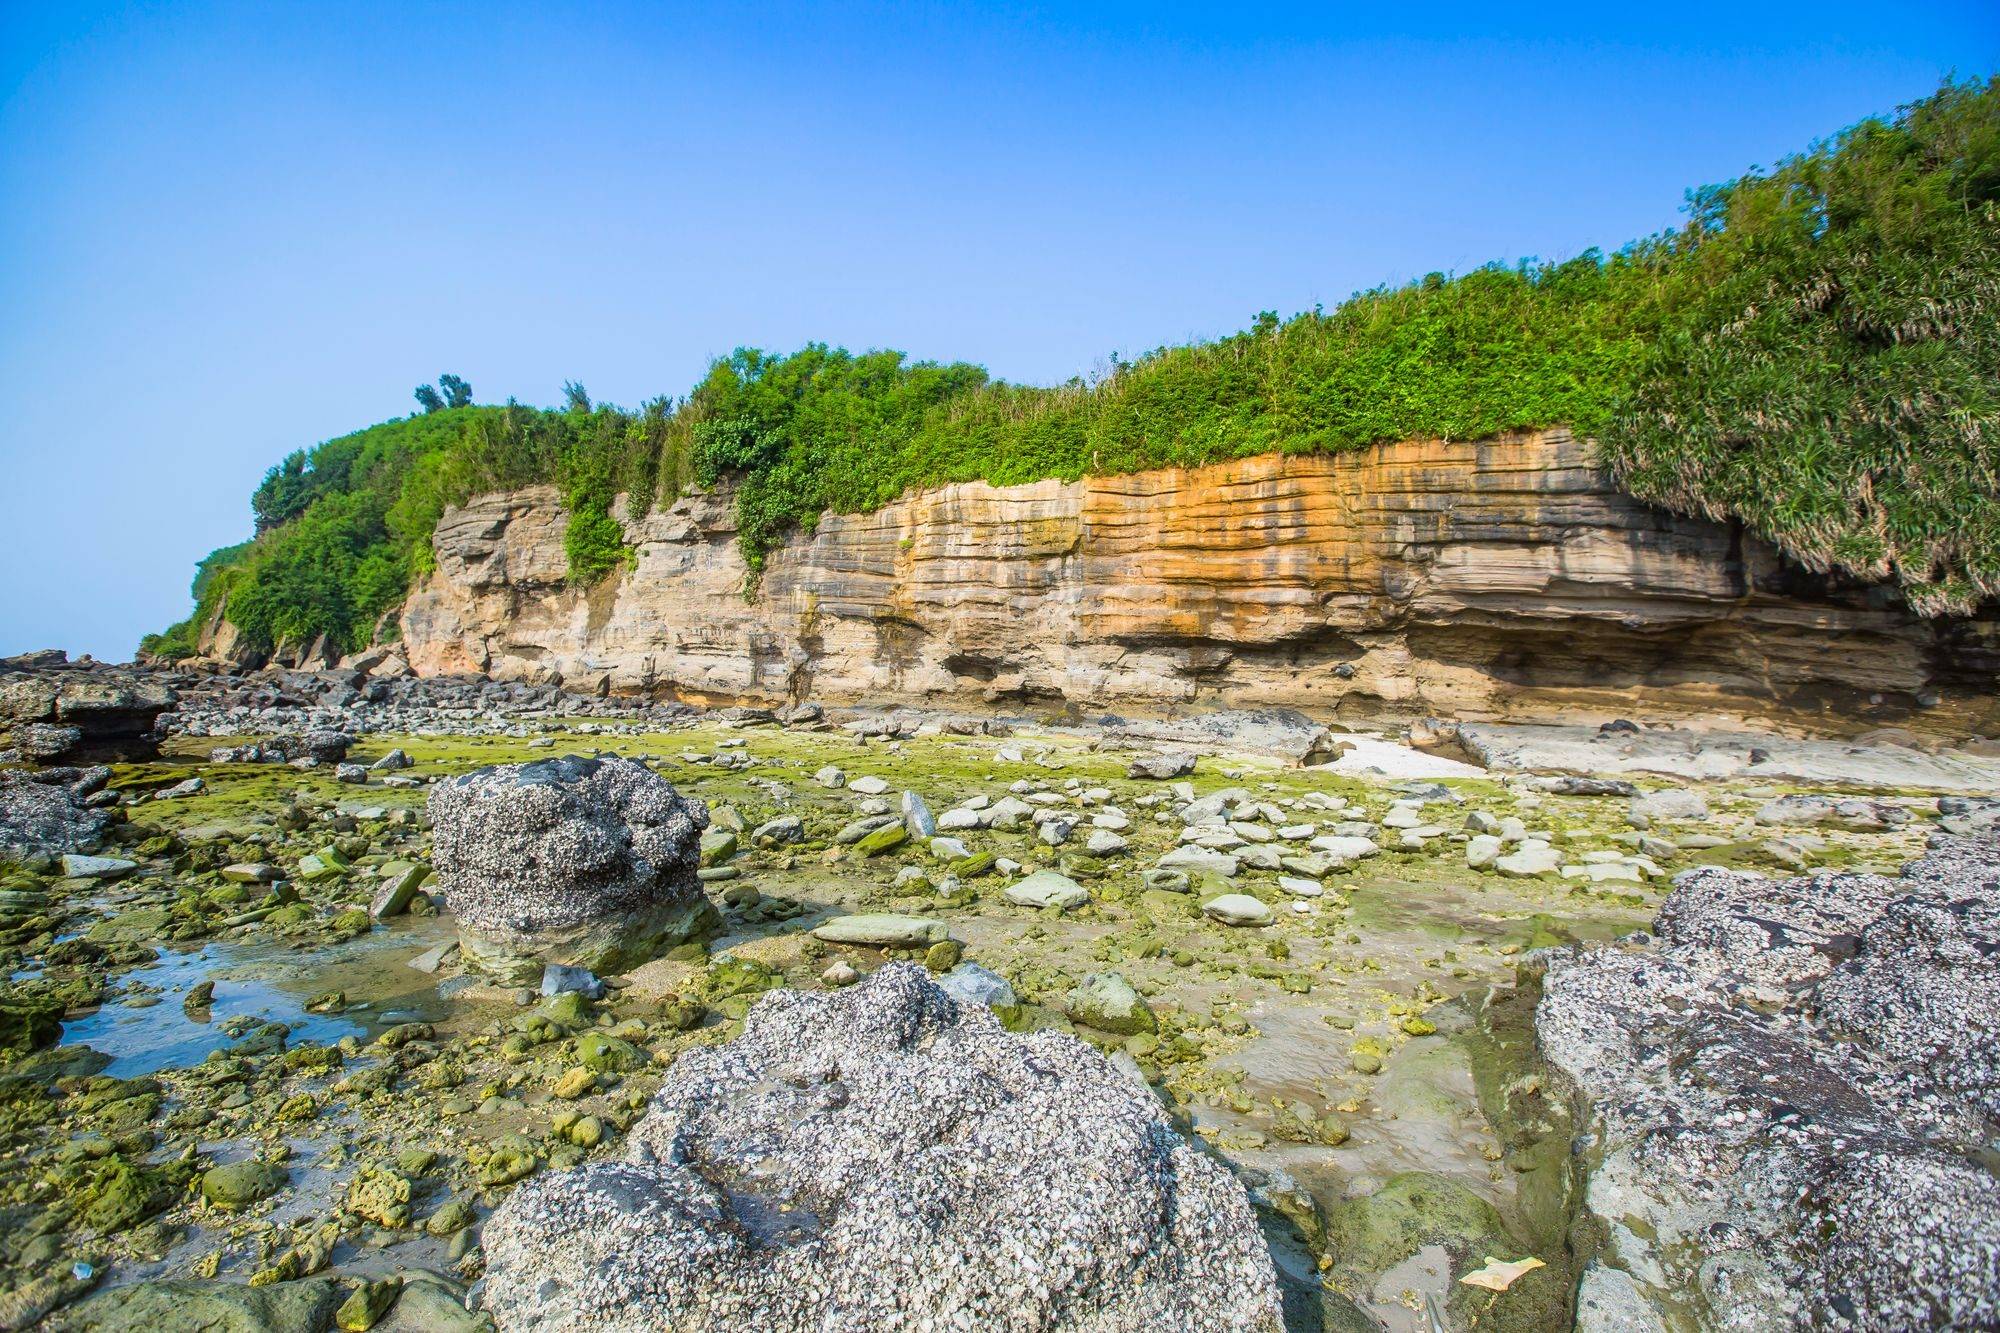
[(1503, 578), (1792, 1098)]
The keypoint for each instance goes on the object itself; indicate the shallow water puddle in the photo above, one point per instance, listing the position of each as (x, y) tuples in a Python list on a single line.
[(145, 1028)]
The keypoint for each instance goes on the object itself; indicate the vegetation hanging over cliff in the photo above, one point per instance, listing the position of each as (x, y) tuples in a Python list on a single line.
[(1815, 353), (1831, 372)]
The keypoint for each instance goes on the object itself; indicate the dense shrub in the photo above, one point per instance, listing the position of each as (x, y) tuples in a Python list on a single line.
[(1834, 377)]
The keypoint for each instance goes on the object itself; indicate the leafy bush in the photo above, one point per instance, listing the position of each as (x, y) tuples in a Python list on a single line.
[(1835, 380)]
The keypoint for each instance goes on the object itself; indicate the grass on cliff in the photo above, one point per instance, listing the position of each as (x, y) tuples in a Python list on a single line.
[(1815, 353)]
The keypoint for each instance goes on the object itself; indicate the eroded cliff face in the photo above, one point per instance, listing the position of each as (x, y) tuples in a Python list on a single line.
[(1492, 579)]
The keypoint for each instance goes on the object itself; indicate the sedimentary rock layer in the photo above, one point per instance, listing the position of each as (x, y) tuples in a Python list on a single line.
[(1500, 578)]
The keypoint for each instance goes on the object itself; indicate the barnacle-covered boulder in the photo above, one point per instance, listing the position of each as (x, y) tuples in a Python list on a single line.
[(582, 862), (887, 1157)]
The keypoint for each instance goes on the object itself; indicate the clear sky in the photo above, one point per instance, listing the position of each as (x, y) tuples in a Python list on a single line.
[(231, 230)]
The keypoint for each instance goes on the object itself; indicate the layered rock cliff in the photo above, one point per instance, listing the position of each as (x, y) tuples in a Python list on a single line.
[(1500, 578)]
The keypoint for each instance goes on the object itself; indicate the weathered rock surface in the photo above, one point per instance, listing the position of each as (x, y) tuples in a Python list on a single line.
[(1284, 732), (1885, 760), (583, 862), (37, 814), (58, 710), (1047, 888), (884, 1156), (1798, 1099), (304, 1306), (881, 930), (1501, 578)]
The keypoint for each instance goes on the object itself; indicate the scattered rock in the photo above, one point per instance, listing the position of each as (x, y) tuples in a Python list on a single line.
[(1237, 909), (1162, 767), (917, 817), (561, 979), (1668, 804), (399, 889), (96, 867), (969, 983), (240, 1184), (1047, 888), (1533, 857), (1107, 1002), (880, 930)]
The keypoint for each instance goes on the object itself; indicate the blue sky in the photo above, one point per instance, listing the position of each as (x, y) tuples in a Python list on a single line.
[(232, 230)]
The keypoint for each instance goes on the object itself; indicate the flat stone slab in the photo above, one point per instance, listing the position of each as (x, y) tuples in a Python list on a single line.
[(1237, 909), (1707, 755), (1047, 888), (96, 867), (1201, 859), (881, 930), (1534, 858)]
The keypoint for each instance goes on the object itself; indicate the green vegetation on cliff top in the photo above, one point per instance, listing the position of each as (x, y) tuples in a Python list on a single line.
[(1815, 354)]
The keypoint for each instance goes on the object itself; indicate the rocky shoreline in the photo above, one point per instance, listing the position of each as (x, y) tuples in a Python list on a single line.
[(1217, 1020), (1795, 1099)]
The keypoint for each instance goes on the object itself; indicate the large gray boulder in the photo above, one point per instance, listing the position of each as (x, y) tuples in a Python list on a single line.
[(887, 1157), (1162, 767), (325, 745), (1284, 732), (45, 743), (581, 862), (1796, 1097)]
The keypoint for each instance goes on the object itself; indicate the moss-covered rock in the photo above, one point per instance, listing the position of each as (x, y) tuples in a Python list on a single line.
[(366, 1304), (1108, 1002), (381, 1197), (607, 1054), (241, 1184), (29, 1023), (452, 1217), (305, 1306), (882, 840), (737, 975)]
